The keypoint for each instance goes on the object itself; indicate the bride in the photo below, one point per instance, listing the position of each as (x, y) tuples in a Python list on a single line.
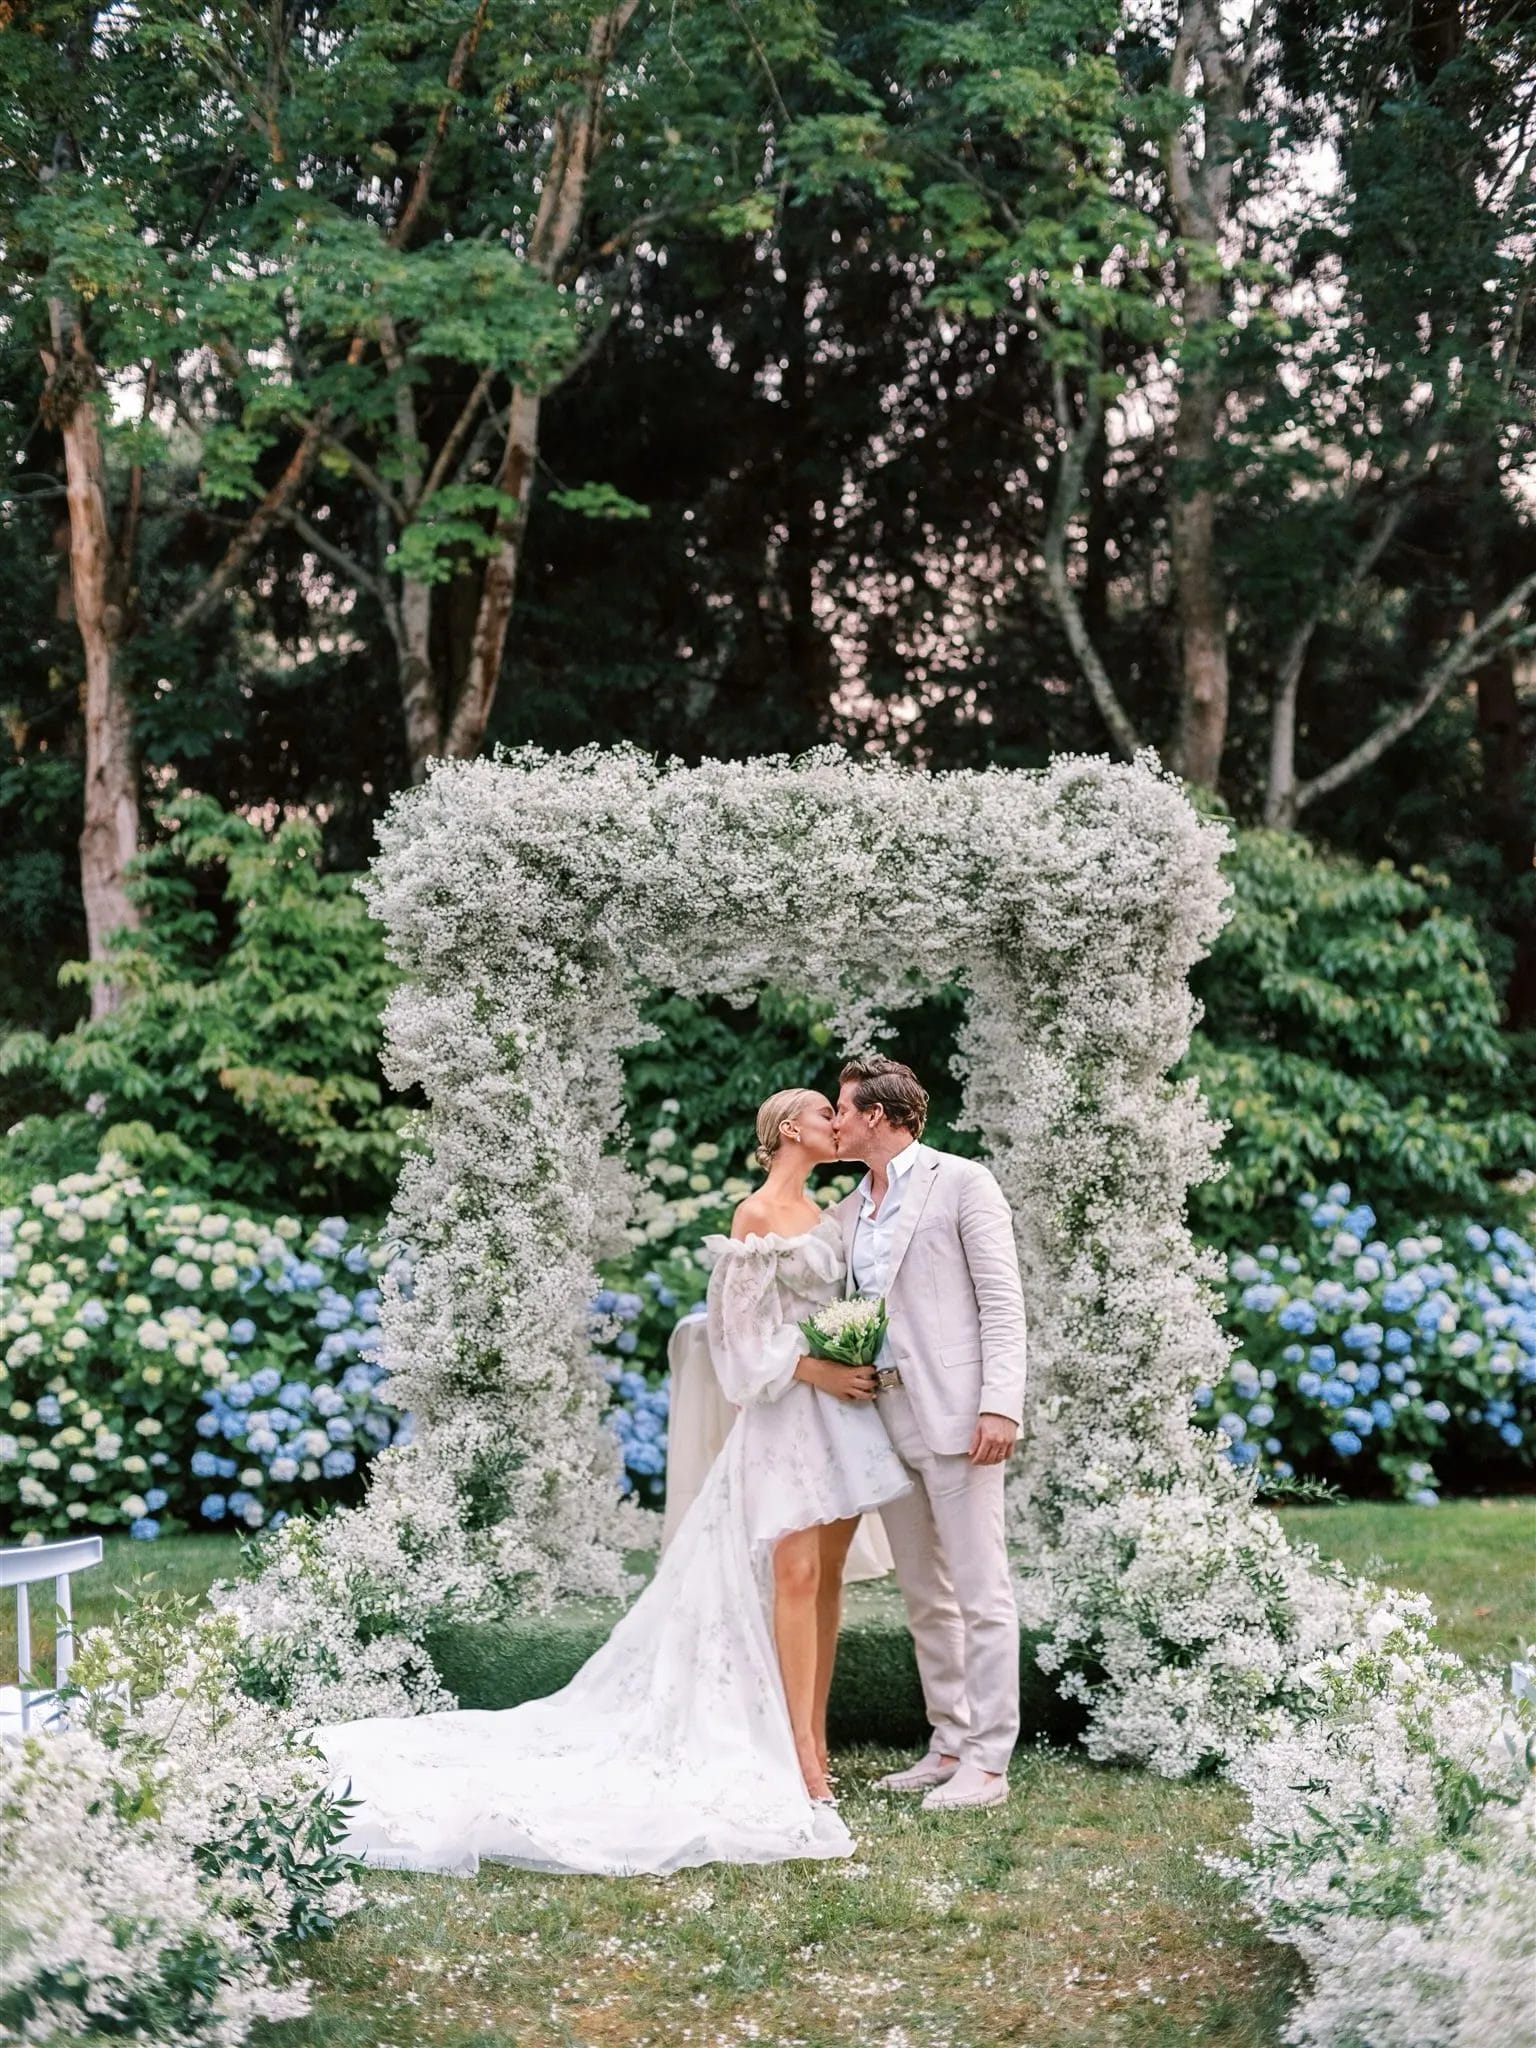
[(697, 1733)]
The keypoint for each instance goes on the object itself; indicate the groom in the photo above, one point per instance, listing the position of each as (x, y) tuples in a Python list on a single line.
[(932, 1233)]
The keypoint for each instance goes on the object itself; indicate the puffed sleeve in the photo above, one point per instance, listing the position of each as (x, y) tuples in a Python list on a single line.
[(755, 1352)]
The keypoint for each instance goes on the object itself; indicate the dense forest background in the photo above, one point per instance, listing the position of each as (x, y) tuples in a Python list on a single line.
[(969, 381)]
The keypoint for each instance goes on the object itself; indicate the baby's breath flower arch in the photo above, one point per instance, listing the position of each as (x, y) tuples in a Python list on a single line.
[(531, 902)]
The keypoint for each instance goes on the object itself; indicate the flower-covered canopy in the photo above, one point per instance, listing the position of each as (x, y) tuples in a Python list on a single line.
[(533, 901)]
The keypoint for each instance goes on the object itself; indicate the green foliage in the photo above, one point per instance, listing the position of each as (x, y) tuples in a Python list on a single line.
[(711, 1063), (39, 888), (243, 1060), (599, 501), (1351, 1031)]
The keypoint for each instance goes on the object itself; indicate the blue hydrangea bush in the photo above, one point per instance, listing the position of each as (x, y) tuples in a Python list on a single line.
[(168, 1364), (1362, 1360)]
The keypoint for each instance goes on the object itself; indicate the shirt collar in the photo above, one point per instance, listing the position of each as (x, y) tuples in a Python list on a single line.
[(897, 1169), (904, 1161)]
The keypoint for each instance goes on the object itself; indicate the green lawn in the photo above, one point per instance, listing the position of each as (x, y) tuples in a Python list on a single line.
[(1476, 1559), (1079, 1916)]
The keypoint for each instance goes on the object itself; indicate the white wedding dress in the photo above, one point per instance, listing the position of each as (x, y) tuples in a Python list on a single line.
[(672, 1745)]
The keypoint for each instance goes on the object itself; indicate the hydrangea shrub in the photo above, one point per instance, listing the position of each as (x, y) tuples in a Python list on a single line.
[(1355, 1352), (167, 1363)]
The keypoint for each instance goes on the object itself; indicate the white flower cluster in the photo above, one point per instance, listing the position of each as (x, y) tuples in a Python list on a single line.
[(1393, 1841), (338, 1619), (156, 1853), (531, 903), (855, 1316)]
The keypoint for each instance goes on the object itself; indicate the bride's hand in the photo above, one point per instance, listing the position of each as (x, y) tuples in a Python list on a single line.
[(847, 1382)]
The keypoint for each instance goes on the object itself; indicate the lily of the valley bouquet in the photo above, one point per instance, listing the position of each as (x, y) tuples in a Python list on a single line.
[(850, 1332)]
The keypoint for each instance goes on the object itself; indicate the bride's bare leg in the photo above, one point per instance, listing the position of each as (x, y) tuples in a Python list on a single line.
[(835, 1539), (796, 1577)]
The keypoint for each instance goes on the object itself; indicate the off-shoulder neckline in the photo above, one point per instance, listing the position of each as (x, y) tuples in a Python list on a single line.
[(771, 1240)]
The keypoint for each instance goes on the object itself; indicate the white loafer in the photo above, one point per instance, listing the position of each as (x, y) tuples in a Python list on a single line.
[(927, 1771), (967, 1787)]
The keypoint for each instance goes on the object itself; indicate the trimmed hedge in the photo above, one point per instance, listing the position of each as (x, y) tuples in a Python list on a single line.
[(875, 1694)]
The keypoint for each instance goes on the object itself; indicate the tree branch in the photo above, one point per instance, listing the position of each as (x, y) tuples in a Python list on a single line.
[(1463, 654), (464, 49), (1077, 442), (458, 434), (369, 477), (338, 557), (256, 528), (1280, 783)]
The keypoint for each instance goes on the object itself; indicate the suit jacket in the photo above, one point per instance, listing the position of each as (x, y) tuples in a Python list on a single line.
[(954, 1296)]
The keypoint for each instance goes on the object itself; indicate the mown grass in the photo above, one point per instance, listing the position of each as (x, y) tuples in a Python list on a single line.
[(1079, 1915), (1082, 1915), (183, 1565), (1476, 1559)]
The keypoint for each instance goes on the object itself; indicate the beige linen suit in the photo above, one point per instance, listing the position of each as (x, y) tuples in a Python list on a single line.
[(957, 1337)]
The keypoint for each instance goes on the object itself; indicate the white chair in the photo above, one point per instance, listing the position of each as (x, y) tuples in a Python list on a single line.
[(28, 1567)]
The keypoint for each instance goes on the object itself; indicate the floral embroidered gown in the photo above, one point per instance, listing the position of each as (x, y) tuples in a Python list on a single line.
[(672, 1745)]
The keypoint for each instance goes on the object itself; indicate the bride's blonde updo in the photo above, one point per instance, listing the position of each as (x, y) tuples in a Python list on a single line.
[(778, 1110)]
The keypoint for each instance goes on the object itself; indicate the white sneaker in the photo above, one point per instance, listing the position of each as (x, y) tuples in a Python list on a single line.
[(967, 1786), (929, 1770)]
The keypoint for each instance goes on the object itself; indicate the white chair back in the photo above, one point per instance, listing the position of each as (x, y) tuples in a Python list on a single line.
[(30, 1566)]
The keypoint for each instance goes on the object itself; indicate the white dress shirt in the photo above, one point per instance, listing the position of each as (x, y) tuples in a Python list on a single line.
[(873, 1234)]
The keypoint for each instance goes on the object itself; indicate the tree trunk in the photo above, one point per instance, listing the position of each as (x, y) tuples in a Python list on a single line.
[(419, 698), (576, 142), (812, 681), (472, 712), (1508, 771), (1211, 47), (1280, 781), (109, 834), (1198, 587)]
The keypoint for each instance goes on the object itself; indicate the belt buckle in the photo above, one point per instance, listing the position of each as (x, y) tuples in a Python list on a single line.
[(886, 1377)]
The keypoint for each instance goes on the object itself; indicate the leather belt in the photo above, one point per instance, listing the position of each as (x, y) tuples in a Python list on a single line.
[(886, 1377)]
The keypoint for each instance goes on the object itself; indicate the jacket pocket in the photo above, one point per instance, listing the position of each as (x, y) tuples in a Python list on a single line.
[(956, 1356)]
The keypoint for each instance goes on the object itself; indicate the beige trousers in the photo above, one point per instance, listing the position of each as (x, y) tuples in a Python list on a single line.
[(948, 1539)]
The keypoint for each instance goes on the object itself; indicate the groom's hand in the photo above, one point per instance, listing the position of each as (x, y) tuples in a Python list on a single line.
[(994, 1439), (848, 1382)]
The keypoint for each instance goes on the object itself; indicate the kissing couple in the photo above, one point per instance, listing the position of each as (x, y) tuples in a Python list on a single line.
[(697, 1732)]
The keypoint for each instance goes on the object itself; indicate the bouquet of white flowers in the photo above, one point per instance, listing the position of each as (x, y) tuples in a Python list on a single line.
[(849, 1332)]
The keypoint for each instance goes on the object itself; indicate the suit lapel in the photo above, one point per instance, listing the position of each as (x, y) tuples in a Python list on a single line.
[(847, 1213), (914, 1201)]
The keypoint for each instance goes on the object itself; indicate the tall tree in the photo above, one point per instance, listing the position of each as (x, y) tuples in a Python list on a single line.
[(1211, 77)]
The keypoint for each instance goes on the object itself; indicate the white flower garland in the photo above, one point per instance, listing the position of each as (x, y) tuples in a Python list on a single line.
[(531, 901)]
